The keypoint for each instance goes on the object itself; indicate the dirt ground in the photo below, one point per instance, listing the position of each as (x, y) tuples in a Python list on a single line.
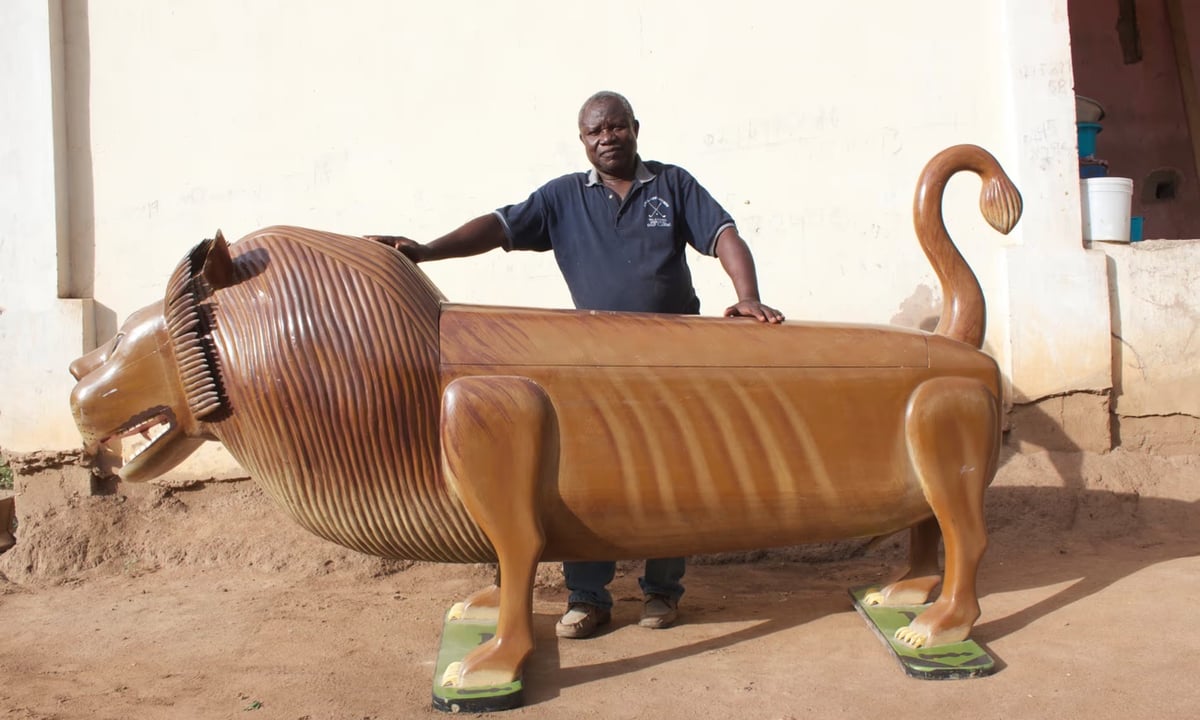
[(206, 602)]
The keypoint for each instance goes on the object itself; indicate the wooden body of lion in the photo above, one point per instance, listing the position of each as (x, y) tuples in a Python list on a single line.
[(391, 422)]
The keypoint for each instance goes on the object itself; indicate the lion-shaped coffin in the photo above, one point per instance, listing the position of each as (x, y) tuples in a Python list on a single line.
[(392, 422)]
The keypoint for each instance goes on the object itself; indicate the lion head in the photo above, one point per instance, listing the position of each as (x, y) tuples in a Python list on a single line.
[(289, 351), (157, 377)]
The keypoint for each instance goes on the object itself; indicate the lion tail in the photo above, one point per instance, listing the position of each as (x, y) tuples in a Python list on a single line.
[(963, 308)]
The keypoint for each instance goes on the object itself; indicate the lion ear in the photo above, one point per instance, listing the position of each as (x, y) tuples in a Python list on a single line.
[(218, 265)]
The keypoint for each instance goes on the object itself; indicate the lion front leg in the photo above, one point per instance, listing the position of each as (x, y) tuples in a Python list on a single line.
[(499, 446), (952, 432)]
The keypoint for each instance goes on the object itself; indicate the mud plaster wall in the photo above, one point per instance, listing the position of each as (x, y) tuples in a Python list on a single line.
[(1155, 308), (1085, 422)]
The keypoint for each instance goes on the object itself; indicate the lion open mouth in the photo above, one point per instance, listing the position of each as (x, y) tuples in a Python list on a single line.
[(152, 445), (143, 436)]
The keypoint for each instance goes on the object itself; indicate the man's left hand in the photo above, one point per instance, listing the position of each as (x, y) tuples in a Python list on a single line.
[(755, 309)]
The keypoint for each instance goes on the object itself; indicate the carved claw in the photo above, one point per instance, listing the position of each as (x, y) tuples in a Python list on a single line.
[(451, 678), (912, 638), (873, 598), (465, 611)]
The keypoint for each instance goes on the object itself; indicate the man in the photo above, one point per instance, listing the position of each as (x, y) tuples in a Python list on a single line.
[(619, 234)]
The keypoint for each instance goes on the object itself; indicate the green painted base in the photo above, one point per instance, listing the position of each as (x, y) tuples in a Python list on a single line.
[(460, 637), (953, 661)]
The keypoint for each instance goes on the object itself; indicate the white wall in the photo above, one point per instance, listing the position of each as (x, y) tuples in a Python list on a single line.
[(41, 328), (380, 116), (810, 122)]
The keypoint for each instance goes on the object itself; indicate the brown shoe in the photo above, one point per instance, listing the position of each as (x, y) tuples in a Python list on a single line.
[(659, 612), (581, 620)]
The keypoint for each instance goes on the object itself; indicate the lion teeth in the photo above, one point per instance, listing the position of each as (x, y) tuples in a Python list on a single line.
[(136, 444)]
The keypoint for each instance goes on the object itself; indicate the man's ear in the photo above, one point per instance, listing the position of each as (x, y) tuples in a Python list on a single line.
[(218, 265), (636, 126)]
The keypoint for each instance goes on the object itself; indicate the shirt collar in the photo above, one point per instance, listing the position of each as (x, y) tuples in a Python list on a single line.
[(641, 174)]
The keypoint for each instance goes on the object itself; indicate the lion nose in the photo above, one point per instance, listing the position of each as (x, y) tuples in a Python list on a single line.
[(84, 365), (78, 369)]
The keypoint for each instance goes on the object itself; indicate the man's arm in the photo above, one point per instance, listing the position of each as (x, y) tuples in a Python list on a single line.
[(477, 236), (735, 257)]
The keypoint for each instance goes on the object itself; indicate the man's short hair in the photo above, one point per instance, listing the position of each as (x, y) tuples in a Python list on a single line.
[(607, 95)]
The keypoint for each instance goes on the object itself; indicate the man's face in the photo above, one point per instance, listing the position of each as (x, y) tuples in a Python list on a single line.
[(609, 136)]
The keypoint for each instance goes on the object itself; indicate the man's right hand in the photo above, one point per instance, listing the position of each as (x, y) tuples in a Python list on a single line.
[(411, 249), (476, 236)]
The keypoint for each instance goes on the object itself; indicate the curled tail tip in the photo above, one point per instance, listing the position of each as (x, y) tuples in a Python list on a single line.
[(1000, 202)]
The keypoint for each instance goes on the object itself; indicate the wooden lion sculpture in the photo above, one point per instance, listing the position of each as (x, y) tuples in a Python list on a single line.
[(394, 423)]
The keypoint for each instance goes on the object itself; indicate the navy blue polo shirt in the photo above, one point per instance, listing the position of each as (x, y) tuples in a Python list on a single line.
[(621, 255)]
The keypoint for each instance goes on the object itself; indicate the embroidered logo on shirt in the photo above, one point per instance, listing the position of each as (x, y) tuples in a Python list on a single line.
[(658, 212)]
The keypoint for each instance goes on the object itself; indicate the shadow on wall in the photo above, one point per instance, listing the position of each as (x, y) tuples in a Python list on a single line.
[(921, 310), (106, 322), (1034, 428)]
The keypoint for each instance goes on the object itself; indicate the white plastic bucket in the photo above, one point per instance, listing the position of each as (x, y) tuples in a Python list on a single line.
[(1106, 204)]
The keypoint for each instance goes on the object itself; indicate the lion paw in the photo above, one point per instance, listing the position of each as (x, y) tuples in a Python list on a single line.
[(489, 665), (459, 675), (911, 592)]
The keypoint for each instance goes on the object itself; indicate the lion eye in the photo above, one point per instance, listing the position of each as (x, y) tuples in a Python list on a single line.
[(112, 346)]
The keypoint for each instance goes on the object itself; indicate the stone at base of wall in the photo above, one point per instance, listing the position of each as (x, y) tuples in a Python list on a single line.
[(1064, 423), (7, 514)]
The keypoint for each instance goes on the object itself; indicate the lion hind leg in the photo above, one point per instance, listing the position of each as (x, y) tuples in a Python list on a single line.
[(952, 431), (917, 582), (483, 605)]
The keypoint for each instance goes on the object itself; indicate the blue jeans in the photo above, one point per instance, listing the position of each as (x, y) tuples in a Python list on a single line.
[(588, 581)]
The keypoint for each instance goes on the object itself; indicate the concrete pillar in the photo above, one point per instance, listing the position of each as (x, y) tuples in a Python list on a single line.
[(1057, 289)]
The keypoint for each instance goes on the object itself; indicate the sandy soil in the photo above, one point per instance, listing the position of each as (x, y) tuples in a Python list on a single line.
[(205, 602)]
